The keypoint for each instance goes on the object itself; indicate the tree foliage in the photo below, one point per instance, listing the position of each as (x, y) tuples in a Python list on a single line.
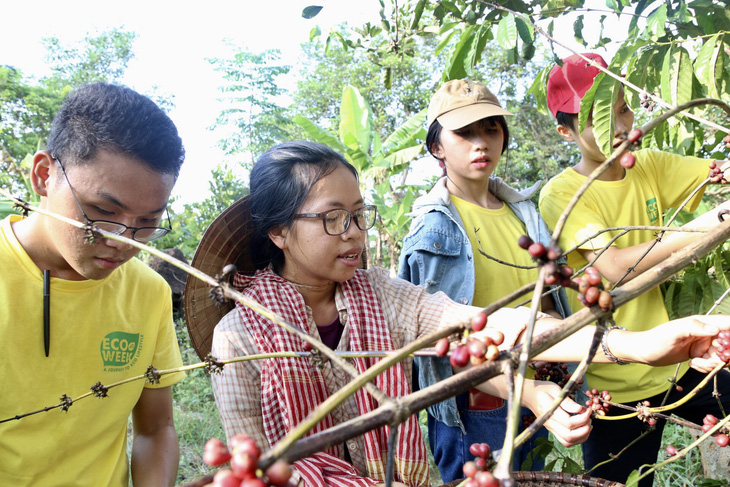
[(256, 116), (676, 50), (28, 105)]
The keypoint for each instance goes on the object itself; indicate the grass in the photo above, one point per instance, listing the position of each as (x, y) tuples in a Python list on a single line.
[(686, 472), (196, 416)]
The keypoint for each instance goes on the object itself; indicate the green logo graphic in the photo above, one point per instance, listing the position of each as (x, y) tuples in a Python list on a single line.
[(120, 349), (652, 210)]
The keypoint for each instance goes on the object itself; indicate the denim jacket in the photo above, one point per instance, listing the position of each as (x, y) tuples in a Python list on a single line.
[(437, 254)]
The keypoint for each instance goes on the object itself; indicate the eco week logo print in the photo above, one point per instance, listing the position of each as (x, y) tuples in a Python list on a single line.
[(120, 350)]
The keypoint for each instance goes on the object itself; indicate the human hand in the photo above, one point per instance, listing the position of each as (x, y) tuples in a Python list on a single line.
[(673, 342), (570, 423), (719, 353)]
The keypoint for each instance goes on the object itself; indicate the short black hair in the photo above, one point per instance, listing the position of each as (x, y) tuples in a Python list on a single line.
[(433, 137), (117, 119), (280, 183), (567, 119)]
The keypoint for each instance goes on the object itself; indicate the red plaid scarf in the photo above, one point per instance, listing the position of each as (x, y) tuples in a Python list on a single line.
[(292, 387)]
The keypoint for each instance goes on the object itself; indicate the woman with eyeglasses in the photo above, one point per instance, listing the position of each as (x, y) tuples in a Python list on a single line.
[(309, 232)]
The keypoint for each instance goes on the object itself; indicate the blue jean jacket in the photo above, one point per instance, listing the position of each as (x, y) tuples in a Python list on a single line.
[(438, 255)]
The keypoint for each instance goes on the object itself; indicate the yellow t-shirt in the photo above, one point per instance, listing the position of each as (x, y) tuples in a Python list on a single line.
[(101, 331), (498, 232), (658, 181)]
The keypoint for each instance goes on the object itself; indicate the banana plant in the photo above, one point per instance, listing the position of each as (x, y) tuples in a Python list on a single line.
[(382, 164)]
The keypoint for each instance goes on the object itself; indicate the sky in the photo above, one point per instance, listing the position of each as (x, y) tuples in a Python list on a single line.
[(174, 41)]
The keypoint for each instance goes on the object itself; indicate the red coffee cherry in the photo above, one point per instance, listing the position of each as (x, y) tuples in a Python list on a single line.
[(671, 450), (524, 242), (537, 250), (635, 135), (460, 356), (592, 294), (479, 321), (442, 347), (605, 300), (279, 473), (722, 440), (628, 160), (477, 348)]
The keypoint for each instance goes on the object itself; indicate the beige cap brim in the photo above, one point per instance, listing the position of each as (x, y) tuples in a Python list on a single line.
[(463, 116)]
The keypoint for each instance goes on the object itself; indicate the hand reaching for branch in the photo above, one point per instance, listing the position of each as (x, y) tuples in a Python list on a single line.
[(570, 423), (672, 342)]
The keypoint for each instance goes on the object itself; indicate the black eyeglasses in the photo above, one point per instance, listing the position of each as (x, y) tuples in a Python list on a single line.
[(140, 234), (337, 221)]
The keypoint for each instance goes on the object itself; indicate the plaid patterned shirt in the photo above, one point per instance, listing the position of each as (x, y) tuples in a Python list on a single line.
[(409, 311)]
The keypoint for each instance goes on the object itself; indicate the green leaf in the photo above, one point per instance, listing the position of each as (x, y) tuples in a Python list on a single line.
[(578, 30), (633, 479), (314, 33), (388, 78), (604, 117), (417, 14), (445, 40), (538, 89), (455, 66), (479, 40), (586, 103), (410, 129), (318, 134), (670, 300), (525, 30), (677, 75), (571, 466), (356, 120), (507, 32), (311, 11), (709, 67), (656, 22)]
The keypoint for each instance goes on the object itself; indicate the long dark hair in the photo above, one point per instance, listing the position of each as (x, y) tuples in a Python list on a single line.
[(280, 183)]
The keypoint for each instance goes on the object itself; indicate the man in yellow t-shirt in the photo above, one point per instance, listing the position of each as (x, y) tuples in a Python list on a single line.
[(621, 198), (75, 313)]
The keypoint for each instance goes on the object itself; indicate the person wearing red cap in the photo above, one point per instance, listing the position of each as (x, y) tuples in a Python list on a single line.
[(620, 198)]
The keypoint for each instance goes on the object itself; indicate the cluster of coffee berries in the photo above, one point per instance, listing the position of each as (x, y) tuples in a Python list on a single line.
[(643, 413), (628, 160), (476, 349), (527, 420), (721, 436), (477, 471), (716, 174), (556, 372), (647, 102), (591, 291), (554, 272), (244, 457), (598, 402)]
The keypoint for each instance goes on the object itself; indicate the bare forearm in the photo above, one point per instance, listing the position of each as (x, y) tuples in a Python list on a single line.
[(155, 458)]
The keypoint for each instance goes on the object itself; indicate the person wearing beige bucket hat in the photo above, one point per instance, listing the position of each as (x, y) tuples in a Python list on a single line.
[(468, 134), (305, 225)]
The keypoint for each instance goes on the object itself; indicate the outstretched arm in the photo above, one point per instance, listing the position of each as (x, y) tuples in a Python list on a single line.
[(614, 262), (669, 343)]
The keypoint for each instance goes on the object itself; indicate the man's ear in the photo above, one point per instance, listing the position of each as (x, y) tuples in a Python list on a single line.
[(278, 236), (437, 151), (566, 133), (40, 173)]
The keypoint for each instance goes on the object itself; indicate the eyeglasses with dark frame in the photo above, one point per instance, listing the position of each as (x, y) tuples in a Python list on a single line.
[(337, 221), (140, 234)]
